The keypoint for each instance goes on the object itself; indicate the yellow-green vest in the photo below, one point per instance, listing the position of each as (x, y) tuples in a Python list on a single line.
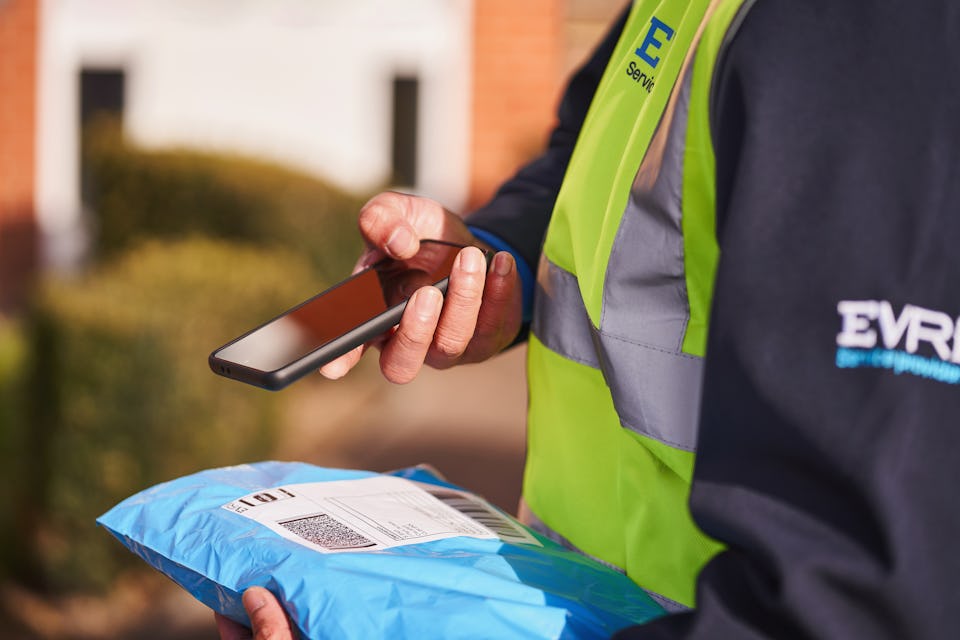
[(622, 304)]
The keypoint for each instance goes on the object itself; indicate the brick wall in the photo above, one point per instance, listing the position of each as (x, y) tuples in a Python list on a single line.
[(586, 23), (518, 63), (18, 53), (523, 52)]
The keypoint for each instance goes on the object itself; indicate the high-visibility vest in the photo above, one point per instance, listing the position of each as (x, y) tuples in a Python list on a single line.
[(622, 304)]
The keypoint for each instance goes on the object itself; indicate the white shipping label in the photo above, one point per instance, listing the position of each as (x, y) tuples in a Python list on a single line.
[(371, 513)]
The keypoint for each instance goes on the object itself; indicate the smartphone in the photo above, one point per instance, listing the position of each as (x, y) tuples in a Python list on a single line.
[(331, 323)]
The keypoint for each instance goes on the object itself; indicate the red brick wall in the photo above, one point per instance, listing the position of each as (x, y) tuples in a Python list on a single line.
[(18, 64), (518, 65)]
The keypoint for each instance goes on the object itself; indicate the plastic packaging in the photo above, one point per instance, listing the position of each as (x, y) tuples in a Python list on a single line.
[(337, 579)]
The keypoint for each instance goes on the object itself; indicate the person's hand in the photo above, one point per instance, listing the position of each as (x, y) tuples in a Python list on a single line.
[(480, 314), (266, 615)]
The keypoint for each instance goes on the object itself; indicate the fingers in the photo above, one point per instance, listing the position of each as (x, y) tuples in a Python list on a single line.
[(388, 223), (479, 316), (403, 355), (481, 313), (461, 306), (336, 369), (499, 318), (227, 629), (394, 223), (267, 618)]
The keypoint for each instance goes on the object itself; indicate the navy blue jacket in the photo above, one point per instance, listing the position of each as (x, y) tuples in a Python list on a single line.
[(829, 445)]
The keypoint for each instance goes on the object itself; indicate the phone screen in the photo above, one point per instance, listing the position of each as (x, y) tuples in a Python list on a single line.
[(341, 309)]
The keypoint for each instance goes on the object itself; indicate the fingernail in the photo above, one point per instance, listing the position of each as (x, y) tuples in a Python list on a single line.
[(425, 302), (502, 264), (471, 260), (399, 242), (334, 370)]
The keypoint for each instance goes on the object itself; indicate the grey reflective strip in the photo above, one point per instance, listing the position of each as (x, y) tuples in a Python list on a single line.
[(647, 253), (655, 386), (560, 319), (655, 391), (534, 522)]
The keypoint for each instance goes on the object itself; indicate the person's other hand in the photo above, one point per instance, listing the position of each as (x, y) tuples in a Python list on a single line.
[(266, 615), (480, 314)]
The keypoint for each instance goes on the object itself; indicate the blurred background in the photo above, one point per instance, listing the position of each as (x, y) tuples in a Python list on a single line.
[(173, 172)]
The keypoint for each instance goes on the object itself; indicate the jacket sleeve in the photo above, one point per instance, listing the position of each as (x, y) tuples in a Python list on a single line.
[(829, 448), (521, 209)]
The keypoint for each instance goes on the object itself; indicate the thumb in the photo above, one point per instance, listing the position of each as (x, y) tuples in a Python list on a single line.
[(267, 618)]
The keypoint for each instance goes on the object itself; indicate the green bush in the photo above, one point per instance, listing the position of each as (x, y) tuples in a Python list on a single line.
[(121, 395), (13, 443), (106, 390), (136, 194)]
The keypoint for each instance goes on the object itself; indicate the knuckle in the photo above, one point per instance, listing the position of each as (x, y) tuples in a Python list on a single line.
[(450, 346), (468, 289), (411, 339), (397, 373), (488, 324), (465, 297), (270, 632), (376, 216), (267, 627), (372, 218)]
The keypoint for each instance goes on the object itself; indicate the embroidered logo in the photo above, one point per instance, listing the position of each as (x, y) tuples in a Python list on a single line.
[(919, 341)]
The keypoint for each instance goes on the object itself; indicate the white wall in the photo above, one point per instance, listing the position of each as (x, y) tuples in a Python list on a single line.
[(303, 82)]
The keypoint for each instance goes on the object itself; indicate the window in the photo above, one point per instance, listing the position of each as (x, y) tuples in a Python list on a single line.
[(101, 95), (101, 92), (406, 92)]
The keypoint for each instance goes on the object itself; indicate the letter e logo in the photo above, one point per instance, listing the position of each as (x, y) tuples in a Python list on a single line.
[(651, 41)]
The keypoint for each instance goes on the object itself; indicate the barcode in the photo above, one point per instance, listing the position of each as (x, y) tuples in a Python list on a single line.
[(479, 511), (323, 531)]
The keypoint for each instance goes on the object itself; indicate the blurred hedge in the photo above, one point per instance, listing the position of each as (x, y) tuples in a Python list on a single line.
[(13, 444), (137, 194), (121, 396), (104, 386)]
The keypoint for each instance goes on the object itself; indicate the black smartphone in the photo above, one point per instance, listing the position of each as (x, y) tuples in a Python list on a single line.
[(331, 323)]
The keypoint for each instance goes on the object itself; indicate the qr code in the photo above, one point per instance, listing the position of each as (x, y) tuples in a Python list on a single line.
[(323, 531)]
